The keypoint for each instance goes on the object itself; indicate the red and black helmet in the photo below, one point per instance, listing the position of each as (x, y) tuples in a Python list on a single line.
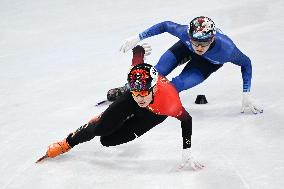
[(142, 77)]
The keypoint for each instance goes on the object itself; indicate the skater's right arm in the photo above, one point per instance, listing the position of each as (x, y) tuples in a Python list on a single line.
[(166, 26), (139, 52), (138, 55)]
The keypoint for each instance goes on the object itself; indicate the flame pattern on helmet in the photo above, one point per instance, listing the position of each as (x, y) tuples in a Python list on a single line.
[(202, 28), (138, 79), (142, 77)]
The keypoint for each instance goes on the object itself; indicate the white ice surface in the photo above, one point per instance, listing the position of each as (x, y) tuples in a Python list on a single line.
[(59, 57)]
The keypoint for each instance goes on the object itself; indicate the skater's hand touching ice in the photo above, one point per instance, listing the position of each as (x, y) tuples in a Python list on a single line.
[(247, 103), (189, 161)]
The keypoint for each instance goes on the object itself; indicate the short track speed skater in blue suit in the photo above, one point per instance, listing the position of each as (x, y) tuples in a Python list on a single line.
[(204, 49)]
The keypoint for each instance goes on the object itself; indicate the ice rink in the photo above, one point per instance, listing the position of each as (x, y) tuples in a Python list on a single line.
[(59, 57)]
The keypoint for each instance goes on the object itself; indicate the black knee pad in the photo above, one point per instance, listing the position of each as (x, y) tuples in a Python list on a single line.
[(105, 142), (113, 140), (108, 141)]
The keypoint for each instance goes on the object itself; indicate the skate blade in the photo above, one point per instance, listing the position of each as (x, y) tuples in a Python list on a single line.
[(42, 158)]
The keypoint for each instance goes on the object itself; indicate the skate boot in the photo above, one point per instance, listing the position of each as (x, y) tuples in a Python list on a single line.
[(56, 149), (114, 93)]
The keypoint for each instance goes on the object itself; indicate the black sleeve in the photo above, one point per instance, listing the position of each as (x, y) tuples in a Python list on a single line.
[(186, 126)]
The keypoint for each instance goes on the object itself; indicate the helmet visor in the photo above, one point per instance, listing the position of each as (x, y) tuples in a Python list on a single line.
[(200, 43), (140, 93)]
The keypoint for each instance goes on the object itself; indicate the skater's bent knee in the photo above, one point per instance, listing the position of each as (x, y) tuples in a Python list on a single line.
[(106, 142)]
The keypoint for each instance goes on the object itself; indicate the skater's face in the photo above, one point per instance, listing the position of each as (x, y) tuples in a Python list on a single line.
[(200, 47), (143, 100)]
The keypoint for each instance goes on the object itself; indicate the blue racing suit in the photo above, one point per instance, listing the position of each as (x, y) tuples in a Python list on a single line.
[(199, 68)]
